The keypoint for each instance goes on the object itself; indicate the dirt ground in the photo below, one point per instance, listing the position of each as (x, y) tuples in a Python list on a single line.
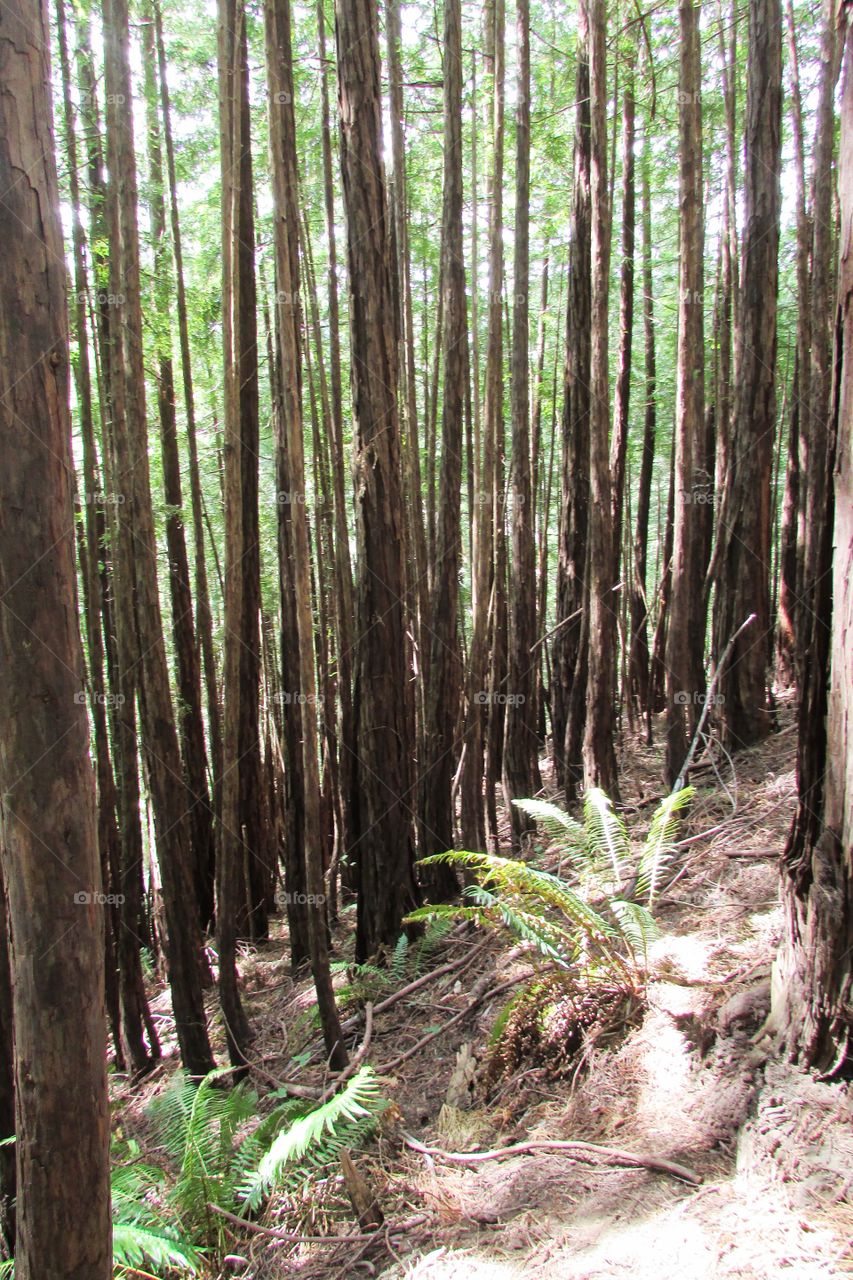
[(690, 1082)]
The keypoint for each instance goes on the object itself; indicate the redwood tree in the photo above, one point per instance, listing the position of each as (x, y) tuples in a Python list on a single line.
[(382, 771), (48, 829)]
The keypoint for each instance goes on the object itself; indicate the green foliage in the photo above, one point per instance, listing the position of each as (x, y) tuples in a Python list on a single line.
[(316, 1138), (229, 1157), (597, 922)]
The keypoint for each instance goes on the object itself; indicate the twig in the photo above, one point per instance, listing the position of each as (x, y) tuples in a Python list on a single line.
[(458, 1017), (685, 768), (610, 1154), (290, 1237), (356, 1060)]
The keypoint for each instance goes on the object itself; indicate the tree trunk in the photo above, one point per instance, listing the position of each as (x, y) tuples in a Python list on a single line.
[(685, 646), (188, 668), (599, 753), (382, 773), (740, 566), (812, 1006), (639, 660), (48, 825), (204, 616), (571, 591), (444, 664), (284, 172), (160, 740), (521, 743), (7, 1082)]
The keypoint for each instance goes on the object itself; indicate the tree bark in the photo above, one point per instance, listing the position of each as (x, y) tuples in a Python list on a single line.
[(382, 773), (284, 173), (812, 989), (685, 679), (48, 824), (521, 743), (571, 590), (444, 665), (160, 739), (599, 753), (740, 567)]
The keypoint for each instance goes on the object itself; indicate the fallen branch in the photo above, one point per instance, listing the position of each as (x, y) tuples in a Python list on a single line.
[(355, 1061), (609, 1155)]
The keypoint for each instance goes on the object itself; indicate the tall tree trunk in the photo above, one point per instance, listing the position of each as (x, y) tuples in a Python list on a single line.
[(204, 616), (444, 665), (521, 743), (599, 753), (340, 468), (48, 826), (235, 899), (621, 420), (382, 773), (188, 668), (639, 661), (571, 590), (740, 566), (685, 645), (812, 1007), (160, 739), (284, 172), (90, 556)]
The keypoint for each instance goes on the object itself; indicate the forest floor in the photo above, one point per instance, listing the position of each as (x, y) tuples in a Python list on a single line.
[(688, 1081)]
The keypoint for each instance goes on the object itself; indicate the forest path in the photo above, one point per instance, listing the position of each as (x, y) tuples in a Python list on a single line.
[(687, 1082)]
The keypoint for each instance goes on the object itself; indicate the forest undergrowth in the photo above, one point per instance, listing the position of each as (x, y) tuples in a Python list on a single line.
[(707, 1156)]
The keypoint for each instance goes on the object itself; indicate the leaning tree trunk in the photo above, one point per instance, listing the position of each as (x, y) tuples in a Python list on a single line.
[(685, 643), (740, 567), (382, 773), (813, 975), (48, 828)]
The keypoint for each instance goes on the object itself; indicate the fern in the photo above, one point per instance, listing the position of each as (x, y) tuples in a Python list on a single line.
[(607, 835), (593, 923), (134, 1245), (316, 1137), (659, 848)]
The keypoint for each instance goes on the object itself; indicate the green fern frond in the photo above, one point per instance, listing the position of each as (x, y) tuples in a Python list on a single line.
[(659, 848), (400, 959), (134, 1245), (607, 834), (636, 925), (317, 1136), (549, 939), (555, 822)]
